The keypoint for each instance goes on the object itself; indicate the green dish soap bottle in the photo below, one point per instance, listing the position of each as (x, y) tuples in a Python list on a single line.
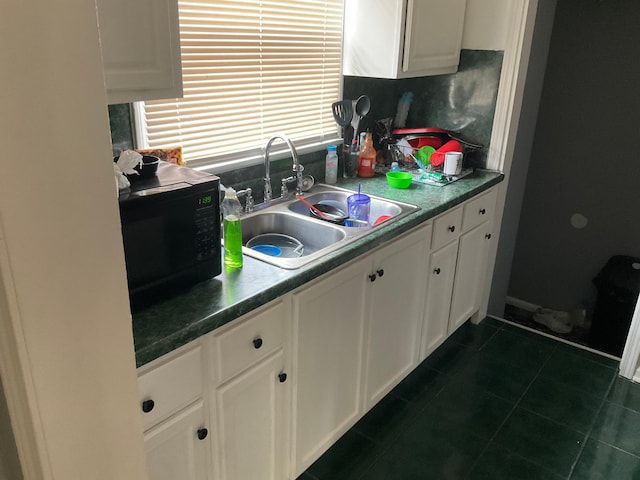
[(232, 230)]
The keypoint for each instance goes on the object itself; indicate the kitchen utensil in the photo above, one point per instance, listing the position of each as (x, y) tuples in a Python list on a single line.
[(342, 113), (354, 222), (437, 157), (289, 246), (361, 107), (270, 250), (381, 219), (334, 214), (399, 179), (350, 163), (423, 156), (421, 165), (313, 208), (149, 166), (433, 136)]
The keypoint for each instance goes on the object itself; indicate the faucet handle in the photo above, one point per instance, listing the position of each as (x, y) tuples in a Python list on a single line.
[(284, 191), (249, 203)]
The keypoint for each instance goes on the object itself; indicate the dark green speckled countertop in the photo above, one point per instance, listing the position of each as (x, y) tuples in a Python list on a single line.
[(186, 316)]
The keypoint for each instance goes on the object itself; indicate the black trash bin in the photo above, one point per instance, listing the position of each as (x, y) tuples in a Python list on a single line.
[(618, 285)]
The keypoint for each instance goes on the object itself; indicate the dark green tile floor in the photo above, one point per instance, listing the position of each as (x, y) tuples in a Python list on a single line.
[(497, 402)]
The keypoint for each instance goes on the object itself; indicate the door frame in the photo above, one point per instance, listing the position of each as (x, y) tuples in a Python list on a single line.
[(631, 354)]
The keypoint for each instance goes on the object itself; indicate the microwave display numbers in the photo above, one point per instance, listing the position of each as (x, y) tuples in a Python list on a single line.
[(204, 200)]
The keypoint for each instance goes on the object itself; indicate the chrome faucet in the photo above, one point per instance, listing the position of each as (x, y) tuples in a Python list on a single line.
[(297, 168)]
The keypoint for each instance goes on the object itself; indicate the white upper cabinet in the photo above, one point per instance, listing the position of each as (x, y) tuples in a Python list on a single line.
[(140, 49), (402, 38)]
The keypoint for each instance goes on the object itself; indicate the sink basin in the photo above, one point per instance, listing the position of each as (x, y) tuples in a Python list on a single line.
[(314, 236), (318, 237), (378, 208)]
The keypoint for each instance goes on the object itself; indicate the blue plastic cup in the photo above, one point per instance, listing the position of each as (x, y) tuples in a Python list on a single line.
[(358, 206)]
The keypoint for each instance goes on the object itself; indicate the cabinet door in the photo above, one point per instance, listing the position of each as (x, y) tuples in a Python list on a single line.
[(472, 260), (177, 448), (329, 320), (252, 422), (398, 283), (442, 269), (433, 36), (140, 49)]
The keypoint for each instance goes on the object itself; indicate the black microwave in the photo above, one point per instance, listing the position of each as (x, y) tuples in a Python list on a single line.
[(170, 231)]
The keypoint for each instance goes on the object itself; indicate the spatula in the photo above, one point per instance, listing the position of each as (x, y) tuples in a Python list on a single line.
[(342, 113)]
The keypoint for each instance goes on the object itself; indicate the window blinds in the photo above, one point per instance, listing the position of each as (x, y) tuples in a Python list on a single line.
[(251, 68)]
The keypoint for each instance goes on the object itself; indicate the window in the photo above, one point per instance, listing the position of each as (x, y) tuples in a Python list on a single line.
[(251, 68)]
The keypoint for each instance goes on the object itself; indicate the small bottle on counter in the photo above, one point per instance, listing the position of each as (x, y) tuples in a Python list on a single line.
[(367, 157), (331, 165), (232, 230)]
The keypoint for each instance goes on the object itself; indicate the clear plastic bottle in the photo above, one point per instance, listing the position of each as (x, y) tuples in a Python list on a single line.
[(367, 158), (331, 165), (232, 230)]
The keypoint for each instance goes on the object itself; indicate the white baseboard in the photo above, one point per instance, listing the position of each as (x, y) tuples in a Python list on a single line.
[(524, 305), (636, 378)]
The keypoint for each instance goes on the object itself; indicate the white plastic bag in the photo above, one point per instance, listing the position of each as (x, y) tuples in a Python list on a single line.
[(125, 165)]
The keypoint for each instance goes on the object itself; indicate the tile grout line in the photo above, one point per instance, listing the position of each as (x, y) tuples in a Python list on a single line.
[(590, 430), (515, 405)]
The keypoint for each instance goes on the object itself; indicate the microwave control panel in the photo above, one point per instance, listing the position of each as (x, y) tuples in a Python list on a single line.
[(207, 222)]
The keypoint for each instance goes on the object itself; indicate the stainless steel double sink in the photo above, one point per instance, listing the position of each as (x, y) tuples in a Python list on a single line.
[(319, 237)]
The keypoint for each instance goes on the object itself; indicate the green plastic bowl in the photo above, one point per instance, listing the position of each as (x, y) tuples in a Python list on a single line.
[(399, 179)]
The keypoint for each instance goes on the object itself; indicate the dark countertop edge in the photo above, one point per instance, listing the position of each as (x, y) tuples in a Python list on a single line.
[(194, 329)]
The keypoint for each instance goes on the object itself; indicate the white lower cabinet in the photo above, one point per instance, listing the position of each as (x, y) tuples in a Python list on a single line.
[(470, 273), (252, 422), (177, 436), (442, 267), (458, 268), (329, 326), (177, 448), (358, 333), (394, 320), (251, 400)]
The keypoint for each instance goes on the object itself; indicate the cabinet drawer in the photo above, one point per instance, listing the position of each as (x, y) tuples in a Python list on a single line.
[(170, 386), (446, 228), (247, 342), (478, 210)]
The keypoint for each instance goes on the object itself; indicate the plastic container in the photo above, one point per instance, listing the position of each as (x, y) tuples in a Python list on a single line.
[(350, 160), (367, 158), (359, 207), (232, 230), (395, 167), (331, 165), (399, 179)]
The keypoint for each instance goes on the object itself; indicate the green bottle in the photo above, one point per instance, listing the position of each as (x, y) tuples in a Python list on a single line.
[(232, 230)]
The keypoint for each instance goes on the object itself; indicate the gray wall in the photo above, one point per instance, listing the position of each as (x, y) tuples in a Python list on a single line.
[(583, 158)]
